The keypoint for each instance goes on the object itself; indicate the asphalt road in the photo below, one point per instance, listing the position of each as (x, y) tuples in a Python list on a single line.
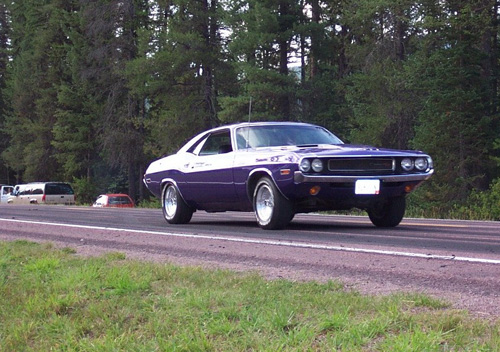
[(455, 260)]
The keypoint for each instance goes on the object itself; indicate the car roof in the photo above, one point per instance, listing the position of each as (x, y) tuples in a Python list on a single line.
[(46, 182), (254, 124), (114, 195), (264, 123), (242, 124)]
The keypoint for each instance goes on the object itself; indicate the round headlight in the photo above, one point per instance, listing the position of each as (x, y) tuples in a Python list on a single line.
[(305, 165), (407, 164), (317, 165), (421, 164)]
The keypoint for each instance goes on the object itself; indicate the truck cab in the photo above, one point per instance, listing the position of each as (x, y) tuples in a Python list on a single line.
[(5, 192)]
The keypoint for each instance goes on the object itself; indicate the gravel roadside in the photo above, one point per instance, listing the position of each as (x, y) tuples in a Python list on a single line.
[(471, 286)]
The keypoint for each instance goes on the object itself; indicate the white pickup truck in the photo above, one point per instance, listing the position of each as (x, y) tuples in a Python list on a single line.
[(5, 191)]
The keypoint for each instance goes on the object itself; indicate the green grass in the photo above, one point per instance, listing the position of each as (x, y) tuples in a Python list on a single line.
[(54, 300)]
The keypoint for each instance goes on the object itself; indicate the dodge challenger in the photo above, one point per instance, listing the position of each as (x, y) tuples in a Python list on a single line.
[(278, 169)]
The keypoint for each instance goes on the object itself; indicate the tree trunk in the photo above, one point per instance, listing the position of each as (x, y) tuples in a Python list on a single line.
[(315, 38), (283, 54), (209, 32)]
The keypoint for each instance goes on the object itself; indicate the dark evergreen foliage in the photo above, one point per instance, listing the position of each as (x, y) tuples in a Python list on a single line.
[(92, 91), (5, 170)]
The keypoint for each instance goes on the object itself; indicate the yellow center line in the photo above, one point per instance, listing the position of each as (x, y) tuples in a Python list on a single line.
[(433, 225), (408, 223)]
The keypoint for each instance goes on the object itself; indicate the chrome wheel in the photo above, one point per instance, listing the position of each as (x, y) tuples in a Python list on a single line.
[(272, 210), (264, 203), (175, 209), (170, 202)]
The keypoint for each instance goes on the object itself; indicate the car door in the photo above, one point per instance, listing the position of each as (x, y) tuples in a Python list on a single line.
[(209, 176), (5, 193), (24, 195)]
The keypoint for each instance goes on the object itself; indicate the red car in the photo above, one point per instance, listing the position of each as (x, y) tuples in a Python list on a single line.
[(115, 200)]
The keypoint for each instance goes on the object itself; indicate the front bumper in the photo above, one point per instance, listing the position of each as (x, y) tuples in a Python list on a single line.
[(299, 177)]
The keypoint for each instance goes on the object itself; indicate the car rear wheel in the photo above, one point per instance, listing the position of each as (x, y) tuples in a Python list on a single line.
[(175, 209), (388, 214), (272, 210)]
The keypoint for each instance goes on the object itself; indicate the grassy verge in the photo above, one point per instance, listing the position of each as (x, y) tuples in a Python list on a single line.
[(54, 300)]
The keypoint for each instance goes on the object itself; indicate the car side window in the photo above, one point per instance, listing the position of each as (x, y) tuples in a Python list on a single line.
[(58, 188), (217, 143), (119, 200), (36, 190), (195, 148)]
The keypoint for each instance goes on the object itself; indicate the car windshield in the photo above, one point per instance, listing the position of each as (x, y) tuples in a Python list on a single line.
[(283, 135)]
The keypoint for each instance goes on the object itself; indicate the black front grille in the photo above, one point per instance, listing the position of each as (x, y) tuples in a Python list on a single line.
[(361, 165)]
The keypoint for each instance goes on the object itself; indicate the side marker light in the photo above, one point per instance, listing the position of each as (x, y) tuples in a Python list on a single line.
[(409, 188), (314, 190)]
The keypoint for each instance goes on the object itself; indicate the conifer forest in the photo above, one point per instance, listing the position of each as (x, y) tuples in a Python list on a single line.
[(92, 91)]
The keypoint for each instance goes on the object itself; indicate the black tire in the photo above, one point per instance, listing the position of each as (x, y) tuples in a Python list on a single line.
[(175, 209), (272, 210), (388, 214)]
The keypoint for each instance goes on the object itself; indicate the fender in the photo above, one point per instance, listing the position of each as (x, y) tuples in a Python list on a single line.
[(252, 181), (172, 181)]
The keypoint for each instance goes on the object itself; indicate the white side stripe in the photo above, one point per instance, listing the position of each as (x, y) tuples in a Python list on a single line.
[(273, 243)]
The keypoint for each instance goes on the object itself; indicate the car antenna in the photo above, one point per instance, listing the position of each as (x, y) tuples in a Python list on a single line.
[(249, 119), (250, 110)]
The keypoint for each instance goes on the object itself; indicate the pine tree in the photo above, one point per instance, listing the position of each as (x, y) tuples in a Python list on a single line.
[(383, 108), (457, 120), (37, 69), (4, 60), (322, 90), (185, 66), (75, 129), (108, 41), (262, 37)]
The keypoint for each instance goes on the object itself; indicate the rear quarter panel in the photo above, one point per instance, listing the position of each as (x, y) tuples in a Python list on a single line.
[(167, 168), (66, 199)]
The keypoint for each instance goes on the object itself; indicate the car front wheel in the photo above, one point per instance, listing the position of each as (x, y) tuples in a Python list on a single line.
[(175, 209), (388, 214), (272, 210)]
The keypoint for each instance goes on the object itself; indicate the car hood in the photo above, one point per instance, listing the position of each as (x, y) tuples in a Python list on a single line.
[(341, 150)]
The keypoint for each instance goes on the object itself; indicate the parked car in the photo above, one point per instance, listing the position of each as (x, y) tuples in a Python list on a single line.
[(43, 193), (5, 191), (118, 200), (278, 169)]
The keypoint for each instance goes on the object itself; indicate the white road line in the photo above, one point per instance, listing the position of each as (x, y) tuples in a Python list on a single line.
[(271, 242)]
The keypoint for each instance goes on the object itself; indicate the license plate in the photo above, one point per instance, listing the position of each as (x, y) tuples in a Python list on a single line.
[(367, 187)]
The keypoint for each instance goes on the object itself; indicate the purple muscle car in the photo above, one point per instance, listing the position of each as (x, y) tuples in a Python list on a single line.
[(278, 169)]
